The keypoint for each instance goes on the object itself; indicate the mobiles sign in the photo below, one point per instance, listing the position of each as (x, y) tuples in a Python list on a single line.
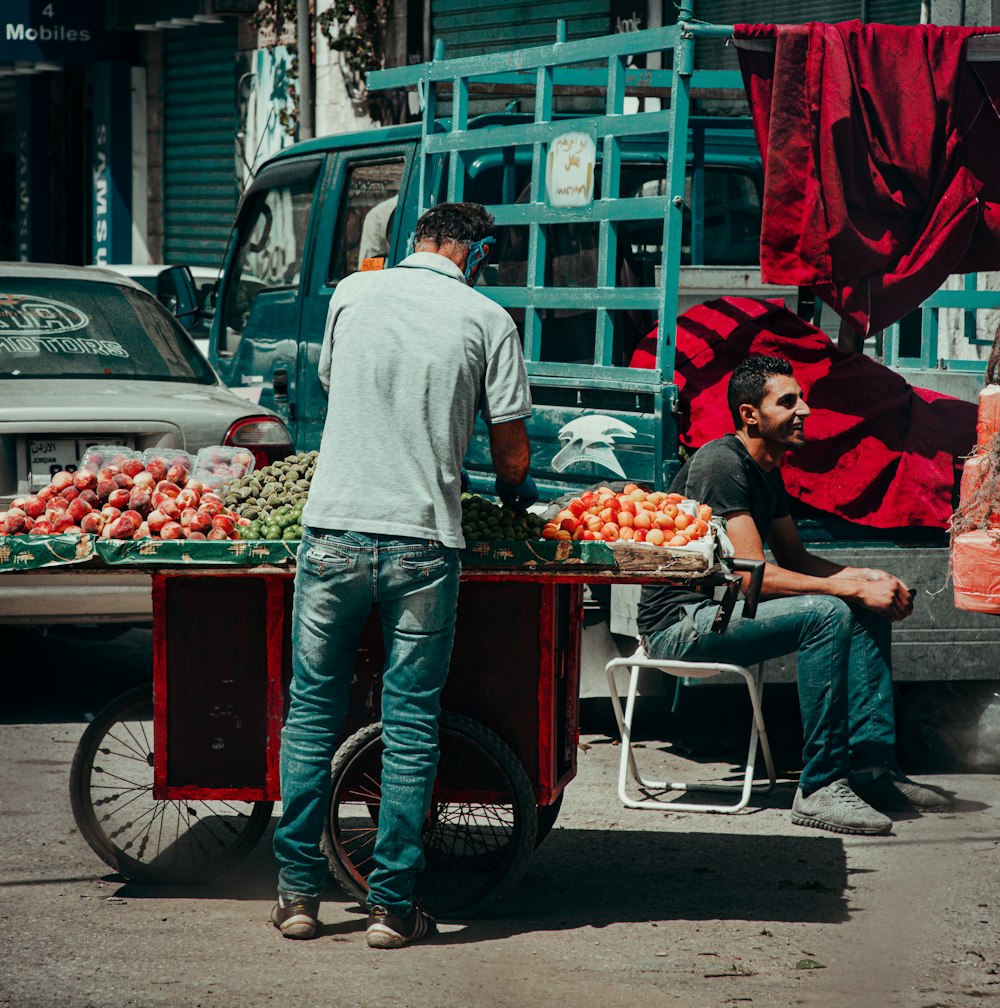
[(59, 30)]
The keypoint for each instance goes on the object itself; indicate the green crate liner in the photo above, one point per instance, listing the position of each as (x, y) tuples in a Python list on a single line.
[(28, 552), (200, 552), (32, 552)]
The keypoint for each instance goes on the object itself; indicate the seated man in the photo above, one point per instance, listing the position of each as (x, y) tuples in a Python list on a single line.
[(836, 618)]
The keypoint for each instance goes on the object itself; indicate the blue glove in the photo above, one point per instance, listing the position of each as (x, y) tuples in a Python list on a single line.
[(519, 497)]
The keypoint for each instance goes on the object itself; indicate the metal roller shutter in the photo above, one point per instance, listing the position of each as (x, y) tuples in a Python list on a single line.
[(800, 11), (900, 12), (716, 57), (469, 28), (199, 124)]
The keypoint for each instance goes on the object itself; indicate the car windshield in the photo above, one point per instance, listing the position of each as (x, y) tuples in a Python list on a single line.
[(63, 328)]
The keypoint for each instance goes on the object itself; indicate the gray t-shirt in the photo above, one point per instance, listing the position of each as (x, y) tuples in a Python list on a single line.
[(410, 355)]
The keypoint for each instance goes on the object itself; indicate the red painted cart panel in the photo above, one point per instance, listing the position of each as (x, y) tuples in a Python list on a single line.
[(222, 661)]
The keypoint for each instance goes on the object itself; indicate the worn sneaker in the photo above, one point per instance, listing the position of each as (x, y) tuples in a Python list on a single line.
[(387, 931), (837, 808), (296, 916), (896, 793)]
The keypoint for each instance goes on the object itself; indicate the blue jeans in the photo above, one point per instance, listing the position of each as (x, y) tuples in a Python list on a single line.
[(340, 576), (844, 674)]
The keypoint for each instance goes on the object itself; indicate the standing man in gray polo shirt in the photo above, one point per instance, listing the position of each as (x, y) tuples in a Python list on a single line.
[(410, 356)]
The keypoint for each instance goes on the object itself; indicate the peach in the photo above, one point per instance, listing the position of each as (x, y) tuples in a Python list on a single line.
[(34, 507), (61, 480), (119, 498), (169, 488), (156, 519), (120, 528), (78, 509), (85, 479), (92, 523), (17, 524), (157, 468)]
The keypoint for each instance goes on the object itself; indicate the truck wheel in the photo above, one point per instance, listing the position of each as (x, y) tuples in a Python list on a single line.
[(175, 842), (479, 833)]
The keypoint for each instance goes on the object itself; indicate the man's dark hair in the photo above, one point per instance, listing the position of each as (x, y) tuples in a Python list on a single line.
[(457, 222), (749, 380)]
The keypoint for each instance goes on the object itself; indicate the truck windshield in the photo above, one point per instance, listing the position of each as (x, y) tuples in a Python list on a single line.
[(61, 328)]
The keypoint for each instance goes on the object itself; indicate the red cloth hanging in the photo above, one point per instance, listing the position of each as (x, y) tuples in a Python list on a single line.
[(879, 146), (879, 451)]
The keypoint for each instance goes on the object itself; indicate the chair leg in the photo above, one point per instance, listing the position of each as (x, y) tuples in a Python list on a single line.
[(624, 719), (758, 737)]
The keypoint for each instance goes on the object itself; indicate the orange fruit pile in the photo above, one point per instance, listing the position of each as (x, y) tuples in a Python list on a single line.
[(633, 515)]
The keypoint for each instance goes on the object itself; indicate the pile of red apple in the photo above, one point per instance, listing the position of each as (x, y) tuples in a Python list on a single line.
[(130, 500)]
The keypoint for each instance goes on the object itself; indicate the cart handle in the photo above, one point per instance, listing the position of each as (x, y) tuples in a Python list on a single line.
[(750, 597)]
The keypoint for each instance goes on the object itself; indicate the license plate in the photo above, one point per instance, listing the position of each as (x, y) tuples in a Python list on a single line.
[(46, 458)]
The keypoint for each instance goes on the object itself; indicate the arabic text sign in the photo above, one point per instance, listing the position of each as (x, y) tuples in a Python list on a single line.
[(569, 174)]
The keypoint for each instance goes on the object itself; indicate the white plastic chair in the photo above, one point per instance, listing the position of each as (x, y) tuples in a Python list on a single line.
[(627, 765), (696, 670)]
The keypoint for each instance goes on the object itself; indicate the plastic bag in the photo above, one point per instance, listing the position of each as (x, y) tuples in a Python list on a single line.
[(96, 457), (218, 465)]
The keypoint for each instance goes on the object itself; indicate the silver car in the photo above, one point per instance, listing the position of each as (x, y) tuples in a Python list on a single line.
[(88, 357)]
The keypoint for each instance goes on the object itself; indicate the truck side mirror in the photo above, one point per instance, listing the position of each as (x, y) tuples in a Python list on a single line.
[(208, 295), (175, 289)]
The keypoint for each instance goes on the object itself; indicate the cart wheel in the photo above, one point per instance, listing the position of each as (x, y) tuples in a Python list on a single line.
[(547, 815), (165, 842), (480, 831)]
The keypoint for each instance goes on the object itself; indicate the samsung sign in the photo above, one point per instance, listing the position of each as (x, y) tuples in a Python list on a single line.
[(60, 31)]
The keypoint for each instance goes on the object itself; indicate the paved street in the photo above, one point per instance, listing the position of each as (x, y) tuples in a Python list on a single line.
[(617, 907)]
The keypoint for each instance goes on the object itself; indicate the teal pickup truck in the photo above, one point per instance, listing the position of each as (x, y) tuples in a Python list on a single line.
[(618, 207), (327, 207)]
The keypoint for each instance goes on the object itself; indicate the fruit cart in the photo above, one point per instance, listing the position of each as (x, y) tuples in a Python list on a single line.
[(177, 785)]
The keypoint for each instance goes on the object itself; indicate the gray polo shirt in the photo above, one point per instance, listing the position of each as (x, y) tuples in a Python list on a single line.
[(410, 356)]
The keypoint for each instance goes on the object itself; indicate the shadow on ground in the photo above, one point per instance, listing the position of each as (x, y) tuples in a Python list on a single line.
[(595, 878)]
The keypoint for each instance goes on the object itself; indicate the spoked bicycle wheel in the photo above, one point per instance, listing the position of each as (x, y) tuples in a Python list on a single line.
[(478, 836), (176, 841)]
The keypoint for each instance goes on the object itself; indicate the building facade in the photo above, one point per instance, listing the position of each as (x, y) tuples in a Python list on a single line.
[(128, 128)]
